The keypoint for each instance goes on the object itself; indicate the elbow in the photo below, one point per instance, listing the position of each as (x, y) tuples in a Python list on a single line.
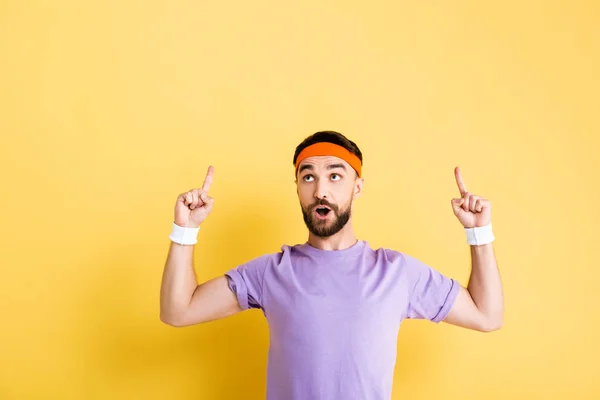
[(166, 319), (493, 325), (172, 318)]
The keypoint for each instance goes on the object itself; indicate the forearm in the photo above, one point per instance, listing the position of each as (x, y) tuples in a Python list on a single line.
[(178, 282), (485, 285)]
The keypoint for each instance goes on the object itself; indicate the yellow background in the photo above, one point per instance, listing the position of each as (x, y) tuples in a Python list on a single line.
[(109, 110)]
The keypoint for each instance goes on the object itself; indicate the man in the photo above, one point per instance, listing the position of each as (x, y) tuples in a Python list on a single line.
[(333, 304)]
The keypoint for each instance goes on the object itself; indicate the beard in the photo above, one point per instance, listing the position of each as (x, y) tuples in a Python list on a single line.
[(324, 227)]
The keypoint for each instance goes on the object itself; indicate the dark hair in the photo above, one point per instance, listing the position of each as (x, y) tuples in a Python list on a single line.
[(330, 137)]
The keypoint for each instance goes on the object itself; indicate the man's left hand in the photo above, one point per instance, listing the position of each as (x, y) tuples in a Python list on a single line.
[(471, 210)]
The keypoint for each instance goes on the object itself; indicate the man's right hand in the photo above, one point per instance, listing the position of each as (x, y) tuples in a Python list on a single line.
[(192, 207)]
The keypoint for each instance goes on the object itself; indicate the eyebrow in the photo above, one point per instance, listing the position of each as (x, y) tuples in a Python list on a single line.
[(331, 166)]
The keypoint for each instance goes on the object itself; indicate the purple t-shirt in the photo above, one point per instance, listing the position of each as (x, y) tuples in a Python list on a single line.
[(334, 316)]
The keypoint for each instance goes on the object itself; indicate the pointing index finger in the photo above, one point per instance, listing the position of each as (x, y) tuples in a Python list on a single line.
[(459, 181), (208, 179)]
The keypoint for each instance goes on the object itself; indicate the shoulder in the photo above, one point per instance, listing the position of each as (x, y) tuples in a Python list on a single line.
[(399, 259), (270, 258), (263, 261), (390, 256)]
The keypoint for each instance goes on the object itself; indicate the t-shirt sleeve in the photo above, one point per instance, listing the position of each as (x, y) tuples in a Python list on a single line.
[(431, 294), (246, 281)]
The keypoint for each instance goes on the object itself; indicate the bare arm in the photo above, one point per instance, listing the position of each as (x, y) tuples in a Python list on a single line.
[(480, 306), (182, 301)]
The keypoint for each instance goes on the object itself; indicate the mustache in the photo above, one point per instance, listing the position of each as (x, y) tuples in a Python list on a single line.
[(323, 203)]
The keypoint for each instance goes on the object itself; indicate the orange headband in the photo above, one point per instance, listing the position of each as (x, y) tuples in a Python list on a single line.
[(329, 149)]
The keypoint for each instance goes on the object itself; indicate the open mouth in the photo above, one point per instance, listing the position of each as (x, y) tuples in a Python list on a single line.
[(322, 211)]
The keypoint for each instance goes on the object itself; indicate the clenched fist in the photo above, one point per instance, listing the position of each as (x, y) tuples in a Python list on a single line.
[(192, 207)]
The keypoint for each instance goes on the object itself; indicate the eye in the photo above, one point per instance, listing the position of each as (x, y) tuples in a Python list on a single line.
[(306, 176), (332, 175)]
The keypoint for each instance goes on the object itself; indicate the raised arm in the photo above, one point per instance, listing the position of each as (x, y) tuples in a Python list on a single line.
[(479, 306), (183, 301)]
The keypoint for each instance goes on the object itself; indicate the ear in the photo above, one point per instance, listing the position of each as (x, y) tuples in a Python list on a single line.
[(358, 187)]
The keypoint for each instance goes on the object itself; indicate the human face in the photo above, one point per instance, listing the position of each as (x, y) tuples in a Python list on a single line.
[(330, 182)]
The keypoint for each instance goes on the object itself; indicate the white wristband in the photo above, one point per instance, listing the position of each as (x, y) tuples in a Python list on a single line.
[(183, 235), (480, 235)]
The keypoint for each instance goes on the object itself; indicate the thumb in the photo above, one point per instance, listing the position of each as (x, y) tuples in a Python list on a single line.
[(456, 203), (206, 199)]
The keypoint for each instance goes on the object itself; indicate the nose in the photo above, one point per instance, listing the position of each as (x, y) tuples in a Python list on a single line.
[(321, 190)]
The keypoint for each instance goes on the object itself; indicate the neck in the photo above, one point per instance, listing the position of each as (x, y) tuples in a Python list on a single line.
[(342, 240)]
